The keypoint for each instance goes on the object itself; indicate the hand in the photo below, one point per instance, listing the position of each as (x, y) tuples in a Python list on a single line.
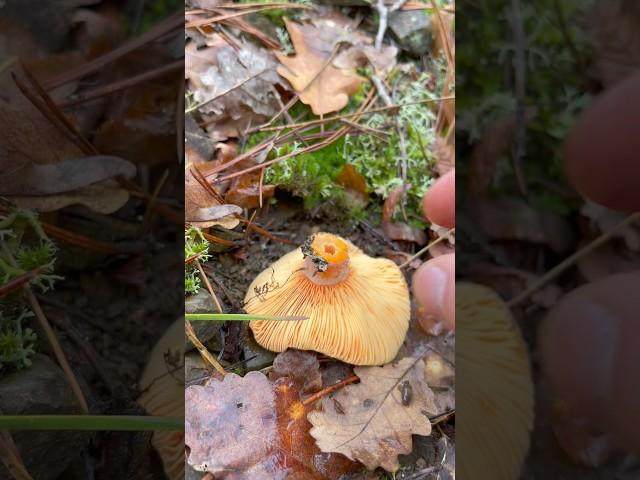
[(590, 341), (434, 281)]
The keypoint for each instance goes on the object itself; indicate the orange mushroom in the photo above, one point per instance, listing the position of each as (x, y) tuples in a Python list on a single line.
[(357, 306)]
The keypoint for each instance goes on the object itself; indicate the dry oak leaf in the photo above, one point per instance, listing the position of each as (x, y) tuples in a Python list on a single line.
[(197, 201), (323, 87), (247, 428), (369, 422)]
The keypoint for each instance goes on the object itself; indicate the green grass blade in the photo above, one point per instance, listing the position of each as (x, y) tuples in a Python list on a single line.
[(221, 317), (129, 423)]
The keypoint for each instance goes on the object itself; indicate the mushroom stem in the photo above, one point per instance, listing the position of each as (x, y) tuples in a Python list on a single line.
[(326, 259)]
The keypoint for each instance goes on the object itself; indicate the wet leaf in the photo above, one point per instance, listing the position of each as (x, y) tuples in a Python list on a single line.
[(301, 367), (375, 425), (323, 87), (246, 428)]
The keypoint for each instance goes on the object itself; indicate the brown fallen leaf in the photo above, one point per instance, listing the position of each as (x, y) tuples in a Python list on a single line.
[(354, 183), (246, 428), (197, 197), (322, 86), (235, 81), (245, 191), (64, 176), (373, 424), (103, 197), (300, 366), (198, 146), (399, 230), (212, 214)]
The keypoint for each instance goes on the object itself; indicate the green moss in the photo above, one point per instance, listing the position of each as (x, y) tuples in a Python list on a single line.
[(379, 157), (24, 247), (194, 245)]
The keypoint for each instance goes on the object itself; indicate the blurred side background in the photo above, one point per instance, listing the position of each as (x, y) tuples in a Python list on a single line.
[(90, 230)]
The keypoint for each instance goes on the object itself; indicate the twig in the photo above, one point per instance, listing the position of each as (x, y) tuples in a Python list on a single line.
[(220, 18), (266, 233), (570, 260), (311, 123), (148, 214), (564, 29), (204, 353), (423, 250), (52, 112), (51, 336), (18, 282), (219, 240), (116, 388), (421, 474), (204, 278), (520, 137), (330, 389), (11, 459), (172, 23), (122, 84), (384, 12)]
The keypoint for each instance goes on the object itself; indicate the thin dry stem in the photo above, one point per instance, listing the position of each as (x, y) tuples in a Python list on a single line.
[(204, 278), (51, 337), (572, 259), (204, 353), (425, 249), (330, 389), (11, 458)]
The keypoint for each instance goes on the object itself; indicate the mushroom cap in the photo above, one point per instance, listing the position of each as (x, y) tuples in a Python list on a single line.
[(361, 320), (495, 396), (163, 395)]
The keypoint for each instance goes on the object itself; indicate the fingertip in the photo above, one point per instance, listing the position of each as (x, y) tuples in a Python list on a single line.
[(439, 203), (434, 291)]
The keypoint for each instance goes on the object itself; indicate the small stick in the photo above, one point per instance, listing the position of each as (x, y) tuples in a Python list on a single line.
[(570, 260), (423, 250), (18, 282), (219, 240), (121, 84), (310, 123), (174, 22), (10, 457), (204, 278), (330, 389), (51, 337), (148, 214), (384, 12), (204, 353)]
